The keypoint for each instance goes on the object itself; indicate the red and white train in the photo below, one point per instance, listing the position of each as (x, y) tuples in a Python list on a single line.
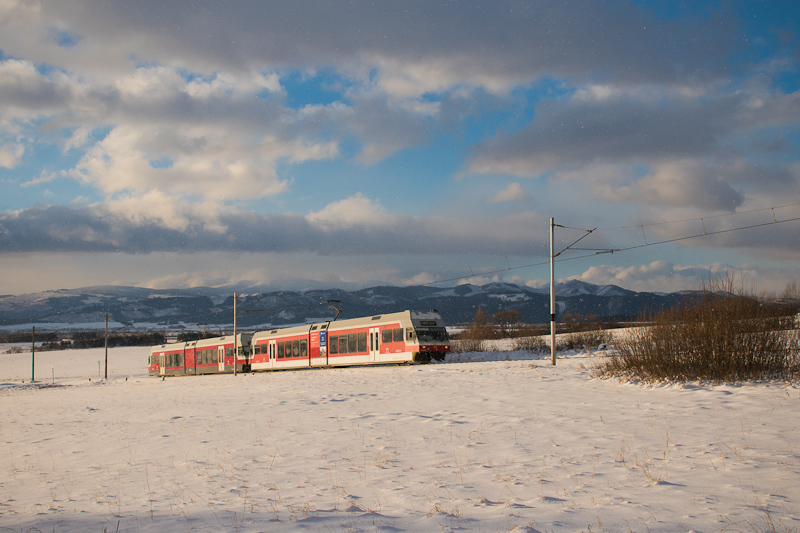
[(404, 337)]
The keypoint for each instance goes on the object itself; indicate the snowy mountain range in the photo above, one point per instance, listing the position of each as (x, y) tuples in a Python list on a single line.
[(214, 306)]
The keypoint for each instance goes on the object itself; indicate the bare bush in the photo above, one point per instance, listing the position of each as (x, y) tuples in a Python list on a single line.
[(720, 334), (467, 345), (586, 339), (531, 344)]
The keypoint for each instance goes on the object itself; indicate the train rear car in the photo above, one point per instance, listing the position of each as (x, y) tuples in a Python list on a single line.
[(168, 360)]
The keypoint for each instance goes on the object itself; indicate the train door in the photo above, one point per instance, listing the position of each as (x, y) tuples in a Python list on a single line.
[(272, 351), (374, 347), (323, 345), (162, 364), (221, 358)]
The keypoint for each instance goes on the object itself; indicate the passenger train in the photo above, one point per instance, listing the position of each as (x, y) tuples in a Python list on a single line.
[(404, 337)]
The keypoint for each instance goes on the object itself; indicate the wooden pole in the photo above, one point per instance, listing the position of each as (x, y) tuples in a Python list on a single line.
[(106, 377), (235, 341), (552, 297), (33, 353)]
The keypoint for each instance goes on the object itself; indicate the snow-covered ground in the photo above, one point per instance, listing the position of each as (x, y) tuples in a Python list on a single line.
[(486, 445)]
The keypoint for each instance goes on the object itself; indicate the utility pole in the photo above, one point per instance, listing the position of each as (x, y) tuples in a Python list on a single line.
[(552, 297), (106, 343), (33, 352), (235, 339)]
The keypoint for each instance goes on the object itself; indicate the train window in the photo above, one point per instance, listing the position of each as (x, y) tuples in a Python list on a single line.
[(433, 335), (342, 343), (376, 317), (352, 343), (303, 349), (398, 334), (386, 336), (410, 334), (313, 328), (280, 350), (296, 348), (362, 341), (333, 345)]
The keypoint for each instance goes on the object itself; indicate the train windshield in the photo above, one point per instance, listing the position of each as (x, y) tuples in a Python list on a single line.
[(432, 335)]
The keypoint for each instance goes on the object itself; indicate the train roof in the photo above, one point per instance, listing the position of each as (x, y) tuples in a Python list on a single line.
[(244, 338), (295, 330), (216, 341), (401, 316)]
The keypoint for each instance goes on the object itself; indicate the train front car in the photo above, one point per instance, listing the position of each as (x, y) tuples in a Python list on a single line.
[(404, 337), (428, 337)]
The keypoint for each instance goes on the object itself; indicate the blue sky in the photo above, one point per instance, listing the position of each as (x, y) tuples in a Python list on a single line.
[(299, 144)]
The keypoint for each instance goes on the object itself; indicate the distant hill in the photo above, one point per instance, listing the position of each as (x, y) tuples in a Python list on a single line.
[(213, 307)]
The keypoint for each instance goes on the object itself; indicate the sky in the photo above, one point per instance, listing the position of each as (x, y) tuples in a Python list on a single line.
[(308, 144)]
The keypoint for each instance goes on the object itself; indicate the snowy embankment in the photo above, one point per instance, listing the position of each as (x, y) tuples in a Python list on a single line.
[(487, 445)]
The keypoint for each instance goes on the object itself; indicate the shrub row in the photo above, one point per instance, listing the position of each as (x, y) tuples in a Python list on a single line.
[(720, 335)]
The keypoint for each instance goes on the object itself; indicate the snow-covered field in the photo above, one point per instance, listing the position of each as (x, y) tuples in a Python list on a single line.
[(486, 445)]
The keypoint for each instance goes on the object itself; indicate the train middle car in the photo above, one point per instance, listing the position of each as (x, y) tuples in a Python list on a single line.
[(404, 337), (206, 356)]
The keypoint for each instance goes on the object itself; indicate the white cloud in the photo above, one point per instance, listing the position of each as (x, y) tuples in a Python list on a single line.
[(150, 83), (479, 280), (44, 177), (681, 183), (78, 139), (200, 161), (11, 154), (661, 276), (357, 210), (596, 92), (513, 193), (157, 207), (224, 84), (422, 278)]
